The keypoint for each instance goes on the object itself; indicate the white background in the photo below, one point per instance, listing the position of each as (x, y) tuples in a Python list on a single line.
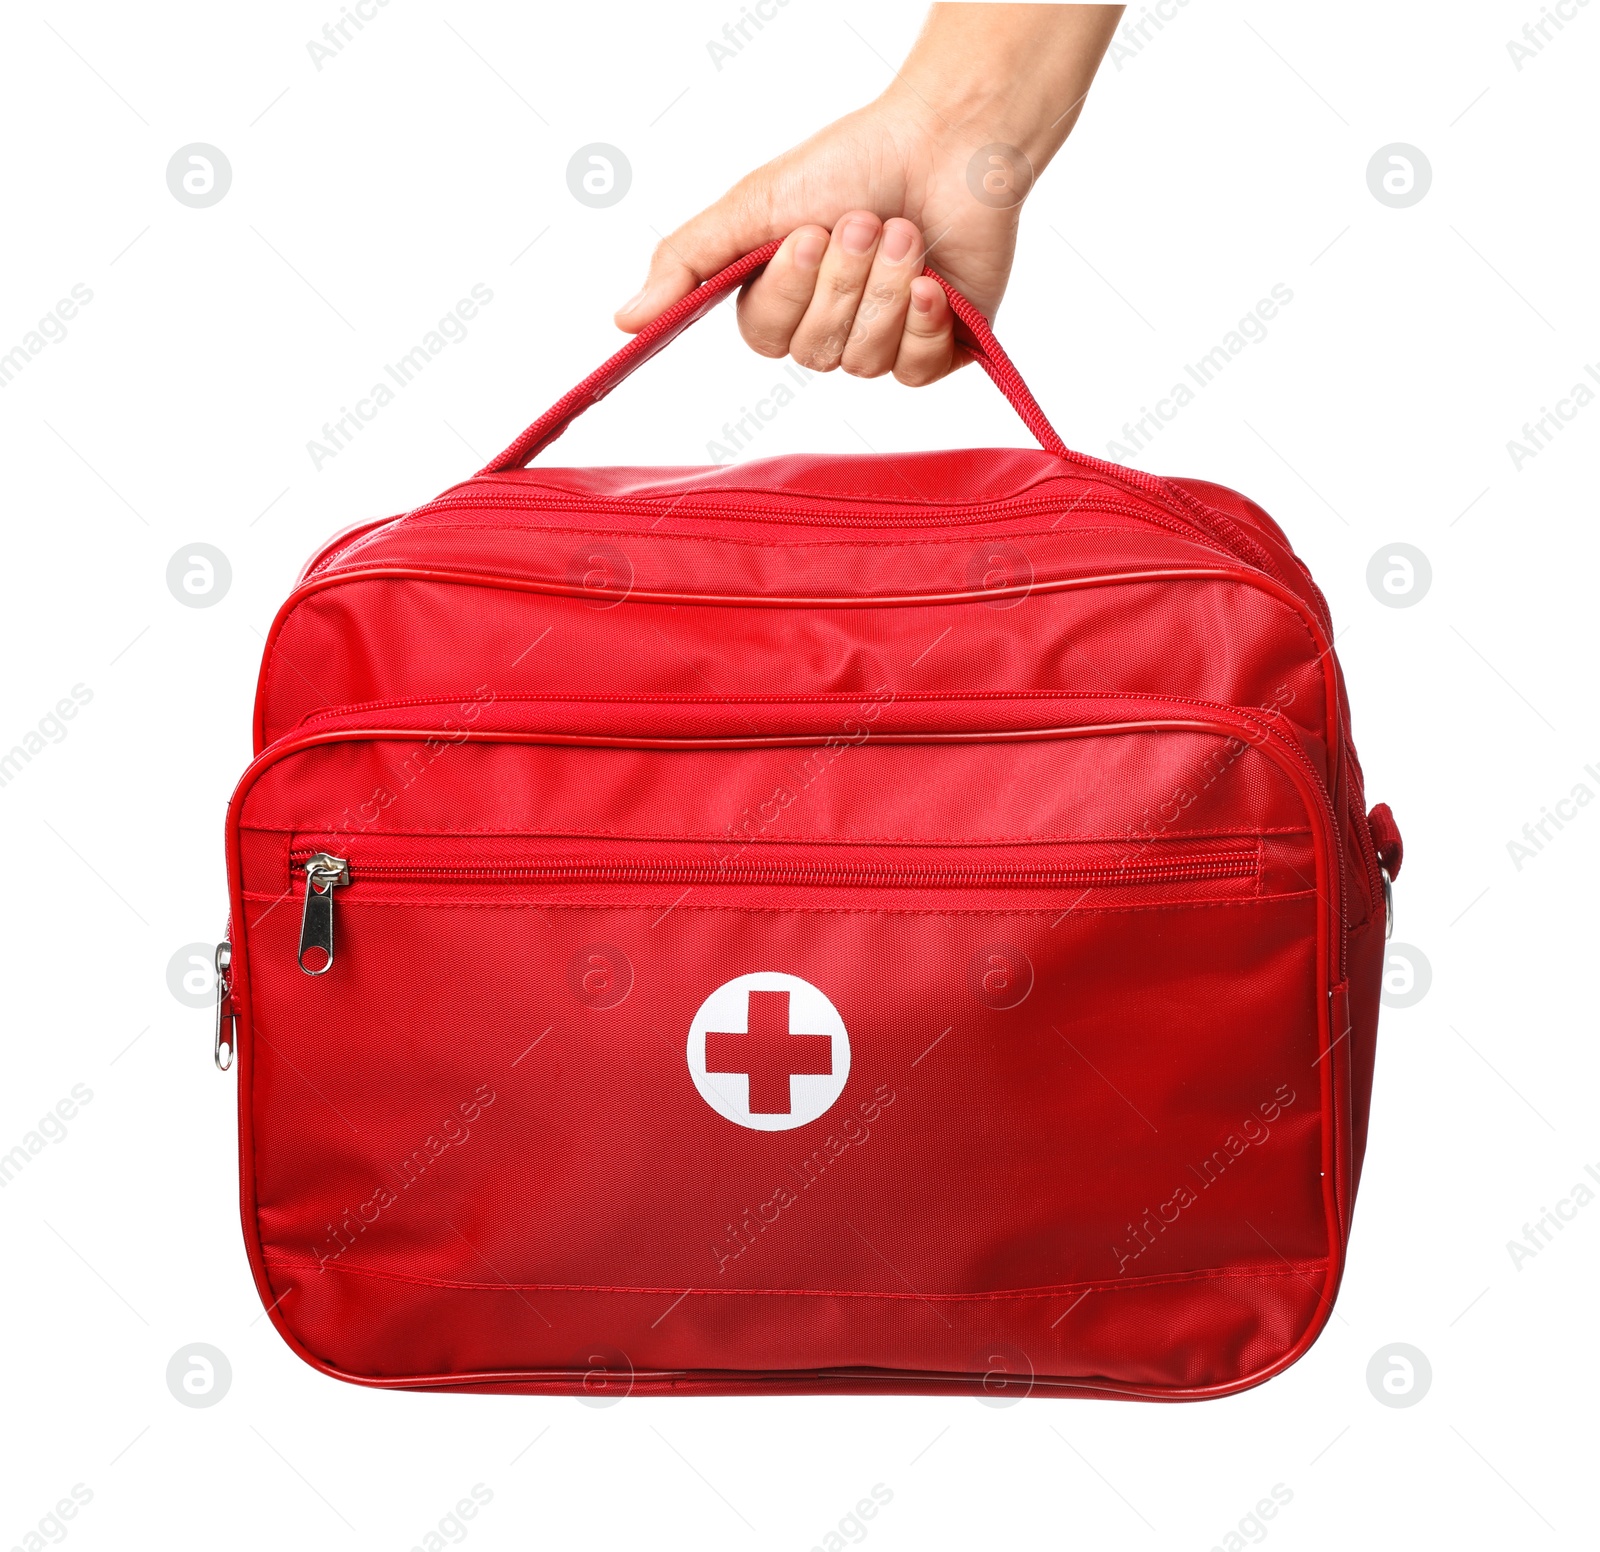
[(1226, 155)]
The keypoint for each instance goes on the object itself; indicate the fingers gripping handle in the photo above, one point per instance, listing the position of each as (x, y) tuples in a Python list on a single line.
[(973, 330)]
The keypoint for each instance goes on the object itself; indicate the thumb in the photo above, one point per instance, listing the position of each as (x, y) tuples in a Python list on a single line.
[(699, 248)]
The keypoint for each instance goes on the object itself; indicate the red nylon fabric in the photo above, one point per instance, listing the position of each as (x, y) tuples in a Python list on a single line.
[(904, 923), (1386, 838)]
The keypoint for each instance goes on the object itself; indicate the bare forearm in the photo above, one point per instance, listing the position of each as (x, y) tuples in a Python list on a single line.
[(1012, 73)]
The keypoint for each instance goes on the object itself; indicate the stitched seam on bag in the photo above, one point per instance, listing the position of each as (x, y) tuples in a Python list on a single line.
[(950, 598), (1298, 608), (952, 532), (756, 543), (814, 910), (828, 698), (1298, 1269), (820, 697), (919, 505), (785, 840), (873, 497)]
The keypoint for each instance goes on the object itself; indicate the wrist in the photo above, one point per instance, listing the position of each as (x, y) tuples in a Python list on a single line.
[(1014, 75), (960, 114), (951, 129)]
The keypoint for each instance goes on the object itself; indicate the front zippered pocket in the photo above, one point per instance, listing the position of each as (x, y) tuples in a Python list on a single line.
[(859, 1055)]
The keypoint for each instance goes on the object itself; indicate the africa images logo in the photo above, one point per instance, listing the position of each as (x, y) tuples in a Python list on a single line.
[(768, 1051)]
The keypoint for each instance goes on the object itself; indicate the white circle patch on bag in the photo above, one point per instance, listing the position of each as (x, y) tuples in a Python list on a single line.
[(768, 1051)]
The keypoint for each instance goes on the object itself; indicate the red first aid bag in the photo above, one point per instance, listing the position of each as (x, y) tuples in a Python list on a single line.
[(880, 923)]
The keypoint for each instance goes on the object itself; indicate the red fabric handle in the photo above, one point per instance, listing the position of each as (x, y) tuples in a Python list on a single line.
[(973, 331)]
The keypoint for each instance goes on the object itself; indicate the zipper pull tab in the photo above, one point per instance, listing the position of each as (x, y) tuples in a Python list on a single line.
[(226, 1043), (324, 874)]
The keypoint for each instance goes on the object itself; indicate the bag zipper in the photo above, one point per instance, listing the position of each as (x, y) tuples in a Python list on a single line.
[(1148, 509), (324, 873), (225, 1040), (849, 516), (1213, 710)]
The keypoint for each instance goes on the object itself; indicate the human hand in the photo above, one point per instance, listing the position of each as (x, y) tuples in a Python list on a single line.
[(914, 177)]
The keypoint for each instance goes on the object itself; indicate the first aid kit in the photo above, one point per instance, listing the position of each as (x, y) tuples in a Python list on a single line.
[(875, 923)]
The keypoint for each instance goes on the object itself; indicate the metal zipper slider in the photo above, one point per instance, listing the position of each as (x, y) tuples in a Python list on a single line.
[(1388, 903), (324, 873), (223, 1050)]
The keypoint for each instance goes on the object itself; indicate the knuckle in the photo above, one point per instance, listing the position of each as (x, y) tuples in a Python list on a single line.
[(665, 256), (820, 357), (794, 287)]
